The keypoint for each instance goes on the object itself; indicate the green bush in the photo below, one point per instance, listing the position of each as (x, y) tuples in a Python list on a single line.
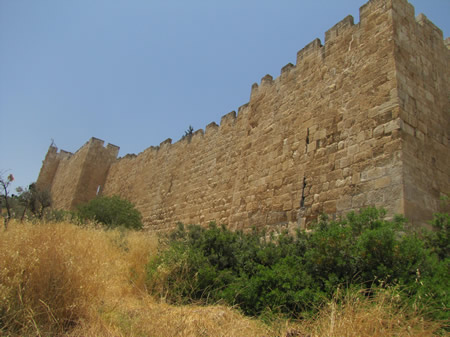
[(438, 240), (112, 212), (296, 274)]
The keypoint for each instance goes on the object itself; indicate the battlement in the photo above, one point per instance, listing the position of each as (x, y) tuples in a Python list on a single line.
[(111, 149), (50, 166), (311, 49), (338, 28), (427, 24), (361, 120), (315, 51), (65, 154), (168, 141), (61, 154), (211, 128), (287, 68), (228, 119)]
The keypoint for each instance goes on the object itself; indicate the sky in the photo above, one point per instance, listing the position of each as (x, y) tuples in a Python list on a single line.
[(136, 72)]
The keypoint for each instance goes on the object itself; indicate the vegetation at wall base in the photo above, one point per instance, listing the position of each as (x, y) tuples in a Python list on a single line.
[(61, 279), (112, 212), (35, 204), (294, 275)]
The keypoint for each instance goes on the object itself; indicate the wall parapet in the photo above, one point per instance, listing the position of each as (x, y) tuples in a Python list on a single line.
[(338, 28)]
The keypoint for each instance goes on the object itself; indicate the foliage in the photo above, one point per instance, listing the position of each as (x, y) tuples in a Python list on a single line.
[(34, 199), (296, 274), (58, 279), (438, 240), (112, 212), (188, 133), (31, 202), (4, 185)]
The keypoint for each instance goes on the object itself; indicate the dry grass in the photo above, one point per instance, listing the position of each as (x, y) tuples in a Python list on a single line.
[(63, 280), (55, 275), (356, 315), (145, 317), (60, 279)]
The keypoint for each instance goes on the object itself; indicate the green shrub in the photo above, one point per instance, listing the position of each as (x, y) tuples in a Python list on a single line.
[(438, 240), (296, 274), (112, 212)]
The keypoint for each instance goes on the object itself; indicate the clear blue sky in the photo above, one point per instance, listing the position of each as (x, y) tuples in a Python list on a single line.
[(135, 72)]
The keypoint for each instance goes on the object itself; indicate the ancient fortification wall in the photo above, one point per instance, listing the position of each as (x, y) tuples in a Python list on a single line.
[(76, 178), (361, 120), (423, 75)]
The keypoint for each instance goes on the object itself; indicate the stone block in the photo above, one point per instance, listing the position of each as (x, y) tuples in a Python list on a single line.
[(359, 201), (392, 125), (329, 207), (382, 182), (344, 203), (372, 173)]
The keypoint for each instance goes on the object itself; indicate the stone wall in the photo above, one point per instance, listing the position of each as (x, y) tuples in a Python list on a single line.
[(423, 73), (333, 133), (50, 166), (78, 177)]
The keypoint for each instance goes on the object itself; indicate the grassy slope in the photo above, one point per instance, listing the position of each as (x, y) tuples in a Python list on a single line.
[(59, 279)]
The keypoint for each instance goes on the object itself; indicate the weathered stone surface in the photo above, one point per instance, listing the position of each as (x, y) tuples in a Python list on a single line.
[(79, 177), (361, 120)]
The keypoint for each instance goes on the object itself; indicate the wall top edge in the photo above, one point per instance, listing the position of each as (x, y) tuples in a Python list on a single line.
[(313, 50)]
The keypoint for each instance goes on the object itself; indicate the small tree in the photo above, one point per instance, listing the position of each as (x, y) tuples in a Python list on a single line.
[(40, 200), (112, 212), (34, 199), (4, 184), (188, 133)]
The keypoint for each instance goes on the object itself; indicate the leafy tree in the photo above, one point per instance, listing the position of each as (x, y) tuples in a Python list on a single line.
[(112, 212), (34, 199)]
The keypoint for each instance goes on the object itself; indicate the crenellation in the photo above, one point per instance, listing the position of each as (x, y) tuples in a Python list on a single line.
[(96, 142), (266, 80), (287, 68), (167, 142), (198, 134), (373, 7), (433, 30), (129, 156), (228, 119), (403, 8), (360, 121), (254, 90), (113, 149), (242, 109), (211, 128), (338, 29), (65, 154), (313, 49)]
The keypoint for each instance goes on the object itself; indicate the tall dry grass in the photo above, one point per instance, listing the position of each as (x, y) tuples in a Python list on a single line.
[(60, 279), (146, 317), (63, 280), (354, 314), (54, 276)]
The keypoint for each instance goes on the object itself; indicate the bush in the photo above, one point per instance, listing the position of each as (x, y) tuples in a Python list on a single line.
[(296, 274), (112, 212)]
